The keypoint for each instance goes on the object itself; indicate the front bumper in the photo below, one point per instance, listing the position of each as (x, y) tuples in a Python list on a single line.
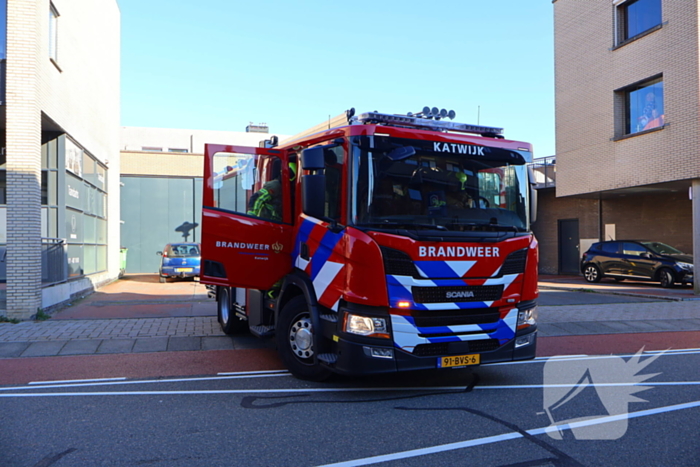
[(684, 276), (355, 357)]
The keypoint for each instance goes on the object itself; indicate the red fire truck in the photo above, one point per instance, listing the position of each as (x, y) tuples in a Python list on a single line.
[(390, 243)]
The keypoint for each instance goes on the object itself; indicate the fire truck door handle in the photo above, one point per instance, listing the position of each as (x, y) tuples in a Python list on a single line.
[(304, 251)]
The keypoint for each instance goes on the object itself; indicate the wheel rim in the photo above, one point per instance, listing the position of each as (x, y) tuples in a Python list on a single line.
[(665, 278), (225, 301), (301, 337), (591, 273)]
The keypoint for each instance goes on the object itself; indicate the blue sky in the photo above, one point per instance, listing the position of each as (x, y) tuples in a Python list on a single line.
[(221, 64)]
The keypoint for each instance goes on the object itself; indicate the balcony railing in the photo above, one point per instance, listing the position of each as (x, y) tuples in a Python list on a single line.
[(545, 170), (54, 261)]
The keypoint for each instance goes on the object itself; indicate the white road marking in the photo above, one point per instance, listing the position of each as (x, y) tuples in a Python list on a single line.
[(310, 390), (509, 436), (174, 380), (563, 358), (78, 381), (241, 373), (275, 373)]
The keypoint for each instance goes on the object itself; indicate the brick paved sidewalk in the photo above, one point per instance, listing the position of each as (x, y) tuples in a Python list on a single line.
[(146, 316), (662, 316), (109, 336), (105, 336)]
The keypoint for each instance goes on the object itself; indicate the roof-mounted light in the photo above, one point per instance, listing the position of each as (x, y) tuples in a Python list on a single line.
[(422, 121), (435, 113)]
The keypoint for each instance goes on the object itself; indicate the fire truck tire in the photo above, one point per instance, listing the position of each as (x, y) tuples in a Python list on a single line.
[(294, 334), (230, 323)]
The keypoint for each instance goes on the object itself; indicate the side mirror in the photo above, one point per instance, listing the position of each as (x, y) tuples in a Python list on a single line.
[(533, 193), (313, 195), (313, 159), (159, 253)]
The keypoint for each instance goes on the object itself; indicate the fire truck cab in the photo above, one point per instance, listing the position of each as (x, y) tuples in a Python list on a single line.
[(392, 243)]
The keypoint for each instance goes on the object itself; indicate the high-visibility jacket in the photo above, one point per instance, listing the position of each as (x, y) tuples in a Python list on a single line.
[(265, 204)]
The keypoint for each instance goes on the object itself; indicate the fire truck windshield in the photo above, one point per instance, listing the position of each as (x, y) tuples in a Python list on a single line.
[(437, 186)]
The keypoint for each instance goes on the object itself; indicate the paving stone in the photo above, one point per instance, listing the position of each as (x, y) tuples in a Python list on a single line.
[(150, 344), (115, 346), (43, 349), (670, 325), (80, 347), (12, 349), (643, 325), (252, 342), (184, 343), (217, 343), (620, 326), (602, 327)]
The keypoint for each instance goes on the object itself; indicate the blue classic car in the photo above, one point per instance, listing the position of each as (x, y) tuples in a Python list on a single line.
[(179, 260)]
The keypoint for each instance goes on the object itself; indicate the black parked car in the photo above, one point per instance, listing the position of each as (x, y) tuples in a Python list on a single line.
[(637, 260)]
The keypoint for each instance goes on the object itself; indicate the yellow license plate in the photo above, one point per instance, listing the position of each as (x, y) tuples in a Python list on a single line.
[(458, 360), (183, 269)]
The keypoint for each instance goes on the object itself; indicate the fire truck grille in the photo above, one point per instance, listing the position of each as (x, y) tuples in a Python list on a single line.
[(426, 319), (475, 293), (443, 348), (515, 262), (398, 263)]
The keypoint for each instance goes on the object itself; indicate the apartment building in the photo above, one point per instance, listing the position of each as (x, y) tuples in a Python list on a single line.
[(59, 167), (161, 187), (627, 127)]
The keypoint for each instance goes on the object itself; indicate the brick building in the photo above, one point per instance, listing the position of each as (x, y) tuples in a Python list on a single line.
[(627, 127), (59, 130)]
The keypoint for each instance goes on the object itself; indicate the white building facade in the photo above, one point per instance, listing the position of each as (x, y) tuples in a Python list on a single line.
[(60, 160)]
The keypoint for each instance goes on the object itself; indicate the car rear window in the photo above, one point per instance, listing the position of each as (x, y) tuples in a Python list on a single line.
[(183, 250), (609, 247)]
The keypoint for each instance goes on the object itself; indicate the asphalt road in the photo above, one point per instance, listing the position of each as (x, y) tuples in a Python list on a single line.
[(494, 416)]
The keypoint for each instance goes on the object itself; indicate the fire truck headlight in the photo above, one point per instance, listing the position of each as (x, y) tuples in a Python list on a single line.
[(366, 326), (527, 318)]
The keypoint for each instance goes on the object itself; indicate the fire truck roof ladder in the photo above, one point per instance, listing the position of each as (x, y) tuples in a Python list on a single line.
[(428, 119)]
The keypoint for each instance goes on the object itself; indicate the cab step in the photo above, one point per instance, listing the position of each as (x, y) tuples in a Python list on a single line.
[(328, 358), (262, 331)]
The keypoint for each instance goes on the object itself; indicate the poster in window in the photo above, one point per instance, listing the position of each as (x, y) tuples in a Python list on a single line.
[(647, 107), (74, 158)]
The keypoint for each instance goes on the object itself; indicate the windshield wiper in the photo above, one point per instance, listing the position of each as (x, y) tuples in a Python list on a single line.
[(487, 225), (404, 225)]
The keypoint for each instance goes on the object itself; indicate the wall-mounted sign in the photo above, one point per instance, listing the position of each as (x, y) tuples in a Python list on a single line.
[(75, 192)]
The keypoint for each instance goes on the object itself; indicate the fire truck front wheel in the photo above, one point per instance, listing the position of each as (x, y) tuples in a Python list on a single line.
[(294, 334), (230, 323)]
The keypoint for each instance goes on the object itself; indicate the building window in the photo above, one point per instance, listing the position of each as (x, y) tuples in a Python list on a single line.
[(53, 33), (639, 107), (3, 30), (151, 149), (178, 150), (636, 17), (644, 106)]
